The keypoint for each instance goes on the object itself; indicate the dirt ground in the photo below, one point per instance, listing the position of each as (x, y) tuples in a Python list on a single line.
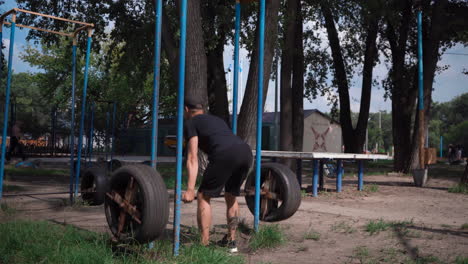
[(432, 232)]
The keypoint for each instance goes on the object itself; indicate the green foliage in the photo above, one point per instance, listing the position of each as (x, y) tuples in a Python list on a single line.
[(361, 253), (449, 119), (461, 260), (424, 260), (376, 226), (343, 227), (312, 235), (7, 209), (459, 188), (464, 226), (43, 242), (34, 242), (268, 236), (371, 187)]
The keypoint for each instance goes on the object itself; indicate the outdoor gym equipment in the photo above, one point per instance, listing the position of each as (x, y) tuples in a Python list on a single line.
[(83, 26), (135, 191)]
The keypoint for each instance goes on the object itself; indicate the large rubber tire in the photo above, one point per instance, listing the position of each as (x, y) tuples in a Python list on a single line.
[(94, 185), (151, 201), (285, 185)]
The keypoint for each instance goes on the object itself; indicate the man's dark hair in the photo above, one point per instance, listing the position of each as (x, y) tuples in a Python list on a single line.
[(192, 103)]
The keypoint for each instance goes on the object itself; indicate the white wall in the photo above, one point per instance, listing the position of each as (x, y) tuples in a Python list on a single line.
[(326, 138)]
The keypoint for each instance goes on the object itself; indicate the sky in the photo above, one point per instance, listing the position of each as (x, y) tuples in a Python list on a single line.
[(448, 84)]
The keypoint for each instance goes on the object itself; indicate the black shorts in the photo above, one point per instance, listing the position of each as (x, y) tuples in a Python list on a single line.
[(226, 169)]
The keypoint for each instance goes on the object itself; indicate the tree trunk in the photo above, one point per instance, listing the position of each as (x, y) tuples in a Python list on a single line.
[(217, 88), (298, 83), (248, 113), (370, 55), (353, 139), (196, 61), (287, 54), (431, 44), (403, 97), (464, 178), (216, 33), (340, 78), (169, 46)]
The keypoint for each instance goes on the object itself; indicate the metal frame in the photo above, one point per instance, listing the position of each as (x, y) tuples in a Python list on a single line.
[(319, 158), (83, 26)]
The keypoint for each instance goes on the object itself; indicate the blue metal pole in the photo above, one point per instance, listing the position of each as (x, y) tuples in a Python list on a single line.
[(86, 143), (72, 122), (258, 158), (180, 123), (360, 175), (236, 67), (339, 175), (83, 107), (441, 146), (91, 134), (156, 78), (315, 178), (7, 99)]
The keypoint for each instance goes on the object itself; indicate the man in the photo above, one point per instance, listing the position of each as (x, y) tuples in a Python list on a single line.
[(14, 141), (229, 160)]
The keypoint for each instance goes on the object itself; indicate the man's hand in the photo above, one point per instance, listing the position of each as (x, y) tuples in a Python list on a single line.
[(188, 196)]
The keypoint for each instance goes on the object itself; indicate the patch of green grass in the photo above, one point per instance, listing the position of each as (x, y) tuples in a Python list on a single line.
[(302, 249), (198, 254), (35, 172), (13, 188), (464, 226), (304, 193), (461, 260), (312, 235), (6, 209), (44, 242), (424, 260), (371, 188), (390, 255), (459, 188), (268, 236), (363, 255), (343, 227), (376, 226)]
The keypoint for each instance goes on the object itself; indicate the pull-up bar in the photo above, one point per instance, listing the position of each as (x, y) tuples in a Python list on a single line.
[(84, 26), (70, 34)]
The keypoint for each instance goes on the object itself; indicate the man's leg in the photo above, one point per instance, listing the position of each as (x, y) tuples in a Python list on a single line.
[(232, 214), (204, 217)]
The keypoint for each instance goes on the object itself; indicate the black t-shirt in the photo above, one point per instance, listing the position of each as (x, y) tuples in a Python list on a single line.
[(213, 133)]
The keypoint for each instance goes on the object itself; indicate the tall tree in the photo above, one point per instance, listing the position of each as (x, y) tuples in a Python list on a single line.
[(298, 81), (247, 115), (196, 60), (217, 24), (287, 60), (400, 32), (353, 137)]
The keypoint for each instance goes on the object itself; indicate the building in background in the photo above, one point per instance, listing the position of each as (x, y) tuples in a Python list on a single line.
[(321, 133)]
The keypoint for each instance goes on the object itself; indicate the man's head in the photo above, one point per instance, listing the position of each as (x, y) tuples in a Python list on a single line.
[(192, 107)]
